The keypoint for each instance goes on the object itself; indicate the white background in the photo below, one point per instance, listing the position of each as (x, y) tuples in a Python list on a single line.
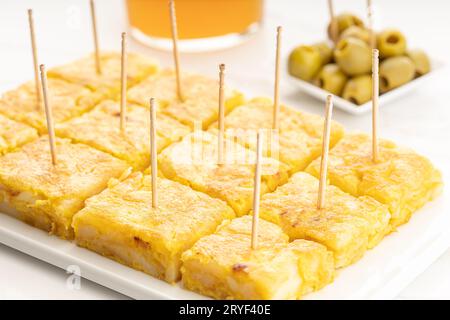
[(420, 120)]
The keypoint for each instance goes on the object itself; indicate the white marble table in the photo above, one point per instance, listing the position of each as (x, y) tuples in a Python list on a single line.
[(420, 120)]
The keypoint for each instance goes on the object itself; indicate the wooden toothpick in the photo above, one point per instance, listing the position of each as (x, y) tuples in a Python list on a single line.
[(48, 114), (153, 152), (37, 83), (276, 105), (256, 192), (370, 23), (375, 94), (221, 114), (173, 24), (334, 23), (123, 82), (94, 31), (325, 150)]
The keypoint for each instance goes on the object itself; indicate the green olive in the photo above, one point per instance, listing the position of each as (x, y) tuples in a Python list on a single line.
[(325, 50), (356, 32), (344, 21), (395, 72), (353, 56), (420, 60), (331, 79), (305, 62), (358, 90), (391, 43)]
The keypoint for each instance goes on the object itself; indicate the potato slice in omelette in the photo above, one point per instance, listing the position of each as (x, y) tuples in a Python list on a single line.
[(401, 179), (121, 223), (14, 134), (298, 141), (224, 266), (194, 162), (201, 97), (68, 100), (346, 225), (100, 129), (46, 195), (84, 72)]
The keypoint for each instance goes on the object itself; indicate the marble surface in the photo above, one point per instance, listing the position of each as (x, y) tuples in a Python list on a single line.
[(420, 120)]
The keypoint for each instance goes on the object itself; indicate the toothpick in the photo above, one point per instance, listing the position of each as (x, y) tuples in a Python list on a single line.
[(94, 31), (276, 105), (256, 192), (325, 150), (334, 23), (221, 114), (37, 83), (370, 23), (48, 114), (153, 152), (173, 24), (375, 94), (123, 81)]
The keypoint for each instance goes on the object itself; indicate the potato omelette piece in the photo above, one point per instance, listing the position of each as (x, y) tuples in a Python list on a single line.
[(14, 134), (46, 195), (121, 223), (223, 265), (200, 93), (401, 179), (346, 225), (194, 162), (68, 100), (84, 72), (298, 141), (100, 129)]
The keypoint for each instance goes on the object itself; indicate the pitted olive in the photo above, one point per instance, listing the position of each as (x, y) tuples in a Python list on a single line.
[(344, 21), (353, 56), (305, 62), (356, 32), (325, 50), (331, 79), (391, 43), (396, 71), (420, 60), (358, 90)]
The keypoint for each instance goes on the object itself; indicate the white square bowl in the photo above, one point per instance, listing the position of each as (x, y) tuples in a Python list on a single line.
[(436, 67)]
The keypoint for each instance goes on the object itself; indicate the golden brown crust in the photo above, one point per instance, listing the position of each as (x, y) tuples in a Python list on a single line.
[(300, 134), (100, 129), (401, 179), (157, 235), (66, 99), (193, 161), (47, 196), (14, 134), (200, 103), (78, 169), (231, 243), (83, 71), (181, 211), (162, 86), (348, 226), (231, 269)]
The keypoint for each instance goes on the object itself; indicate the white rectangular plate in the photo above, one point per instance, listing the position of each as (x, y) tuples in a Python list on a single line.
[(314, 91), (382, 273)]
